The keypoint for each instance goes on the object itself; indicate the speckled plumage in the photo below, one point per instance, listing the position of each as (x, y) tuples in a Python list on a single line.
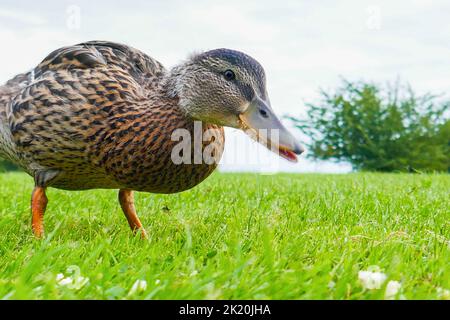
[(97, 115)]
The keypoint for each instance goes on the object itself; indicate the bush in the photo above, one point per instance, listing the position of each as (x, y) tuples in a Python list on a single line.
[(7, 166), (379, 128)]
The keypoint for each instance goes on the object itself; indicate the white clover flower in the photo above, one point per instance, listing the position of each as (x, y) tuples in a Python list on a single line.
[(138, 286), (193, 273), (59, 277), (65, 281), (371, 278), (443, 293), (75, 282), (392, 289), (331, 285)]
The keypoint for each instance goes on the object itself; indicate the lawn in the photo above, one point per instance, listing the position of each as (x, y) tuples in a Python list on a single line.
[(235, 236)]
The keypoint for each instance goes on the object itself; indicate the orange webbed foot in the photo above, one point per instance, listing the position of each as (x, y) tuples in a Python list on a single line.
[(38, 205), (126, 200)]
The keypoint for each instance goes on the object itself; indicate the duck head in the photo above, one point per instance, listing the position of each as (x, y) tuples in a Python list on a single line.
[(228, 88)]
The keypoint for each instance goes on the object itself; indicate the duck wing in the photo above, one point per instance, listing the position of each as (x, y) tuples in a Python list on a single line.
[(94, 53)]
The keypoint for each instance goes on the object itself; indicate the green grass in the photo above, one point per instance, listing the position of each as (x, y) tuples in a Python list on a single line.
[(235, 236)]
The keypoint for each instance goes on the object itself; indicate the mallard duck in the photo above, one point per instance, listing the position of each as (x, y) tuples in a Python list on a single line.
[(102, 115)]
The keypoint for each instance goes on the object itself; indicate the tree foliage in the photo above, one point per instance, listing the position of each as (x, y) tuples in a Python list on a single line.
[(379, 128), (7, 166)]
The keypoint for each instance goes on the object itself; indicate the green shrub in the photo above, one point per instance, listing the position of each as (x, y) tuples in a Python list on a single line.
[(379, 128), (7, 166)]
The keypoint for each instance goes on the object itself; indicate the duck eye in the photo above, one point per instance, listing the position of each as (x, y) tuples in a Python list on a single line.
[(229, 75), (263, 113)]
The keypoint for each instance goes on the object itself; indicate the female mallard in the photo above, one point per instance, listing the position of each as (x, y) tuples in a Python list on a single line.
[(103, 115)]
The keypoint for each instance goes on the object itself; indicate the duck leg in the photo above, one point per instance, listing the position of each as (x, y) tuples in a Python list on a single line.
[(38, 204), (126, 200)]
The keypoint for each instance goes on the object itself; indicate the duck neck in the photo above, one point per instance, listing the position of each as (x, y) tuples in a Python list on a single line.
[(176, 84), (172, 81)]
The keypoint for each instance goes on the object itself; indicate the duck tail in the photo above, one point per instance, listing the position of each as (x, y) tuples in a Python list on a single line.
[(7, 92), (11, 88)]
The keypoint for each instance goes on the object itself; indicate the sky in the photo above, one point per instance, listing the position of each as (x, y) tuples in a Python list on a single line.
[(303, 46)]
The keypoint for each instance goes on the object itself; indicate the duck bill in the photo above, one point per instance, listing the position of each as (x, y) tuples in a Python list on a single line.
[(261, 124)]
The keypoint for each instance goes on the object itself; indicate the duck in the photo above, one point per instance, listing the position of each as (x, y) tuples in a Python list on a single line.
[(104, 115)]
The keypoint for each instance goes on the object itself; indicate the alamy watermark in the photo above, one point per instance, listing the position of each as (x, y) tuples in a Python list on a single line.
[(373, 21), (204, 146), (73, 17)]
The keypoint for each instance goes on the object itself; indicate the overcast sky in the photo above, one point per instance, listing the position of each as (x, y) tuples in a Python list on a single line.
[(303, 45)]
